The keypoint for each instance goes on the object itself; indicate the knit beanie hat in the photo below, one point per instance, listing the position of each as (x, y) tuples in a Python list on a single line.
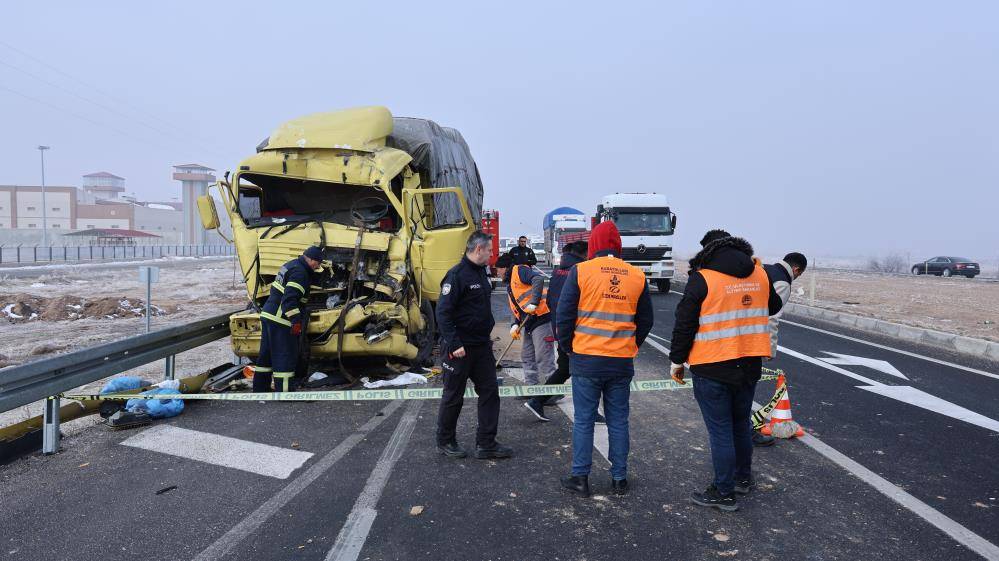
[(603, 237)]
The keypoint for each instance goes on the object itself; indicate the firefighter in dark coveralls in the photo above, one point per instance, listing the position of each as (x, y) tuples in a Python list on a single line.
[(282, 320)]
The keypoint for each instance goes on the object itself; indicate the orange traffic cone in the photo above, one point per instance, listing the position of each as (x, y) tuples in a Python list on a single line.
[(781, 424)]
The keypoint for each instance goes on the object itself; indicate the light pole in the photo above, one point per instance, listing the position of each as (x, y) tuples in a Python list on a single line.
[(45, 234)]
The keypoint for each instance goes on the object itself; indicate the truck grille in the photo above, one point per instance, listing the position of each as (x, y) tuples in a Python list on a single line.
[(650, 254)]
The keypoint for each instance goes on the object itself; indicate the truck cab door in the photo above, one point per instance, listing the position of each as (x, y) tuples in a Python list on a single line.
[(438, 242)]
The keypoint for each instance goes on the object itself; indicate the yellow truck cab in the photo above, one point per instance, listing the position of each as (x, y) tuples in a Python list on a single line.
[(391, 201)]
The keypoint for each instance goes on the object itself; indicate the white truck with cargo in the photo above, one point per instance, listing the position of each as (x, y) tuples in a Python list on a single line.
[(557, 223)]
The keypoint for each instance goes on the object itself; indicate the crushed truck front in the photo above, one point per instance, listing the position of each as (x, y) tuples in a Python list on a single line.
[(388, 233)]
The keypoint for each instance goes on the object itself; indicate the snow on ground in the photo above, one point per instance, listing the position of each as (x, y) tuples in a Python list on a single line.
[(188, 290)]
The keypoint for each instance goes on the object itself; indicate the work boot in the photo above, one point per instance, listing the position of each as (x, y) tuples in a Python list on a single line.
[(711, 498), (578, 484), (452, 450), (619, 486), (760, 439), (534, 407), (495, 452), (745, 485)]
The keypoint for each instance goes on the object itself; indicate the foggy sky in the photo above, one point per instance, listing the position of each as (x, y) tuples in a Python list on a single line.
[(850, 128)]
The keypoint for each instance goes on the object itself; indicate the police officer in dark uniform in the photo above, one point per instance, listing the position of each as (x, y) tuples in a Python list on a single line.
[(523, 254), (282, 320), (465, 321)]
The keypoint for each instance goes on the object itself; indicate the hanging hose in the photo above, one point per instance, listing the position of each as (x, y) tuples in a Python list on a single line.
[(341, 320)]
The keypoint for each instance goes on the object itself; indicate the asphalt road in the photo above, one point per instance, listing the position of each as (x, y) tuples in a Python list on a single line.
[(354, 497)]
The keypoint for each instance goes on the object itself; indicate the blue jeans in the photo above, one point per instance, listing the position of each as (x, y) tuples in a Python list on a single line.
[(726, 410), (586, 394)]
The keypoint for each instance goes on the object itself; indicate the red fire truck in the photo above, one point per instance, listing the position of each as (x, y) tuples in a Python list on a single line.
[(490, 225)]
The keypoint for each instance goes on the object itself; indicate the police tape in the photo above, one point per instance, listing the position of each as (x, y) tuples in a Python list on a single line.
[(760, 415), (386, 394)]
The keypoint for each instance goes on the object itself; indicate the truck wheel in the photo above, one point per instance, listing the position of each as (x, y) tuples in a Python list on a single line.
[(662, 285)]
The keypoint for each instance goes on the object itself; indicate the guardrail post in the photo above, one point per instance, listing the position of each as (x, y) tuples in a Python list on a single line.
[(50, 426), (171, 366)]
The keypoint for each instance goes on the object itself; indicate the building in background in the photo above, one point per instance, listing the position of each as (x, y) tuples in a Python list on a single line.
[(99, 204), (102, 186), (194, 179), (105, 214), (21, 208)]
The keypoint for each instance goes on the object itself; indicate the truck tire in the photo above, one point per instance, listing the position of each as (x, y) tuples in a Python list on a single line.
[(662, 285)]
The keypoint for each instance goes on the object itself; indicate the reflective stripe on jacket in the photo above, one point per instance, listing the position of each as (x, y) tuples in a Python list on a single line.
[(609, 290), (289, 293), (519, 295), (733, 322)]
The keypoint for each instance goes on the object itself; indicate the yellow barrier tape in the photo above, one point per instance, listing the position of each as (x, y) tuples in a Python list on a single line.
[(388, 394)]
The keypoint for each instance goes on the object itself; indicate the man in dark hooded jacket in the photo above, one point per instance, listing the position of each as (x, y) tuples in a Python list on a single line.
[(724, 389)]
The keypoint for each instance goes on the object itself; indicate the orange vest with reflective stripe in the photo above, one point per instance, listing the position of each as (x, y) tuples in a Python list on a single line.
[(734, 321), (520, 296), (609, 290)]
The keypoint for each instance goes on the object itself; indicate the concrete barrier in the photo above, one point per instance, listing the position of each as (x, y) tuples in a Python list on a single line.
[(930, 337)]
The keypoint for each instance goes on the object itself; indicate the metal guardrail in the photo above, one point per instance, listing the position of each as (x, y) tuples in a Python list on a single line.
[(25, 254), (27, 383)]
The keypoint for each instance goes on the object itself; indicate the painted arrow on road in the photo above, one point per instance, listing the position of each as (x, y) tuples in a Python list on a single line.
[(905, 394), (874, 364), (919, 398)]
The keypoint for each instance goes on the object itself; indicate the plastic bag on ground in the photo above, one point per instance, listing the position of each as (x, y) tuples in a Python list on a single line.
[(156, 408), (123, 383), (401, 380)]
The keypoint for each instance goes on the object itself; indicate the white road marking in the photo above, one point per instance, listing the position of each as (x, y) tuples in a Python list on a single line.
[(906, 394), (262, 459), (246, 527), (949, 526), (658, 347), (919, 398), (893, 349), (872, 363), (828, 366), (663, 339), (600, 439), (355, 530)]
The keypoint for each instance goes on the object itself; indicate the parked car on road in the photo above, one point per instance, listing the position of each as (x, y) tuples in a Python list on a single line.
[(947, 266)]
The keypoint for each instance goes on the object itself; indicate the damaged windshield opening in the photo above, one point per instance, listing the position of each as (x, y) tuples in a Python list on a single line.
[(266, 200)]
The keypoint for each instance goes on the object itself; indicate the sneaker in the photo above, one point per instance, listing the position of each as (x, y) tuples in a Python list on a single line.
[(537, 409), (744, 486), (495, 452), (711, 498), (600, 420), (452, 450)]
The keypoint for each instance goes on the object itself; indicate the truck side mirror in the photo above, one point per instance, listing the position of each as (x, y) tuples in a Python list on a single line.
[(209, 216), (672, 222)]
